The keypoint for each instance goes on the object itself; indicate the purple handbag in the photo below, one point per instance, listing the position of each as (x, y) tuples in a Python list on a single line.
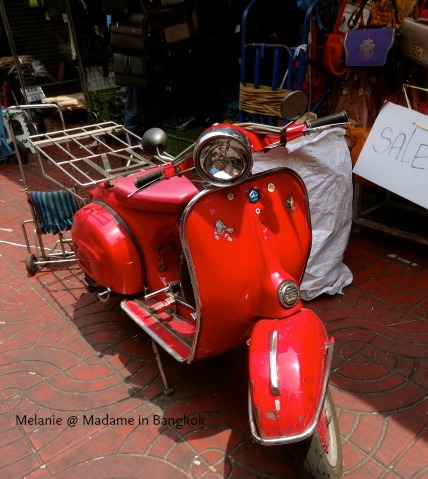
[(369, 47)]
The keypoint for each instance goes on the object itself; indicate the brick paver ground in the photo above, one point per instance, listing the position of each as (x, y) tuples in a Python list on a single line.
[(79, 365)]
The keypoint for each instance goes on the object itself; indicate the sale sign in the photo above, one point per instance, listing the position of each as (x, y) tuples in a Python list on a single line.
[(395, 154)]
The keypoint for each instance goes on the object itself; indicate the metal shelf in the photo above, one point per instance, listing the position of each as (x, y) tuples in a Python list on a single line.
[(390, 214)]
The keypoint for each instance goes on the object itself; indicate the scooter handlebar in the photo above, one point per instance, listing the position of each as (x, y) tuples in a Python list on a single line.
[(335, 118), (148, 178), (165, 172)]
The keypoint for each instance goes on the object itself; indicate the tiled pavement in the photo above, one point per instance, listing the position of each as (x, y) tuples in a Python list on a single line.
[(64, 356)]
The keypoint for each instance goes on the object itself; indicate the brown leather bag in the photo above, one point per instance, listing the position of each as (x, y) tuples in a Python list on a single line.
[(175, 24), (129, 34), (357, 100), (385, 13)]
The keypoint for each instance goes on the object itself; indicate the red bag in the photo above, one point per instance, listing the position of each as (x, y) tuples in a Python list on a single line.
[(333, 51)]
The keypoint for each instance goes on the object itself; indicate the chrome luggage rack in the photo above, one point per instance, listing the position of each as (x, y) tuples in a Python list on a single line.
[(89, 154)]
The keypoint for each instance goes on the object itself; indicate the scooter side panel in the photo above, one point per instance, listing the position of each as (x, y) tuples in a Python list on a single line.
[(106, 251), (288, 368), (149, 222), (241, 242)]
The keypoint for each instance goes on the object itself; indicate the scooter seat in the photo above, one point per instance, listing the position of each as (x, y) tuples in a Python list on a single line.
[(165, 196)]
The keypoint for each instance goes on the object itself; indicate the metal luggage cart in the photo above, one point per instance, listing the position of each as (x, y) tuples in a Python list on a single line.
[(86, 155), (52, 212), (74, 160), (5, 150)]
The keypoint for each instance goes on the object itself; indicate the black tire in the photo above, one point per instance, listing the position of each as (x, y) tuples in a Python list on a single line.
[(23, 153), (310, 457), (32, 268)]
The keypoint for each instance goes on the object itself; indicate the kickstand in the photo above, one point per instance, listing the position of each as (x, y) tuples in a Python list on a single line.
[(168, 390)]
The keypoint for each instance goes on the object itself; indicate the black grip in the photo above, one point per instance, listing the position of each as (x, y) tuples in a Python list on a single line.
[(148, 178), (333, 119)]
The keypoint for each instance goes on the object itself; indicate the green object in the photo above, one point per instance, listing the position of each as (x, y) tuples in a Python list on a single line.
[(180, 140), (107, 105)]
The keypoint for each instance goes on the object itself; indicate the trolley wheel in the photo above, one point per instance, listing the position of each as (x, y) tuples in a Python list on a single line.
[(30, 264), (23, 153)]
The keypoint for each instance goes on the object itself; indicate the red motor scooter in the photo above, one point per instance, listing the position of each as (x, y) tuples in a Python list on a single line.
[(207, 257)]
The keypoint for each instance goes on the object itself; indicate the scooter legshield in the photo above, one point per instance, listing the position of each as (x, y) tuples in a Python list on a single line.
[(289, 363)]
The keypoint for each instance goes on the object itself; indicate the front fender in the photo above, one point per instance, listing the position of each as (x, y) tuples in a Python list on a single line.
[(289, 364)]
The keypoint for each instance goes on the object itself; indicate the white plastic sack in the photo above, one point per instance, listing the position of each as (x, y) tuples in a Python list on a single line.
[(324, 163)]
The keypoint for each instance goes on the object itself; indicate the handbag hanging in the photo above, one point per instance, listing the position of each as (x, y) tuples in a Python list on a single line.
[(369, 47), (385, 13), (130, 70), (366, 46), (333, 52), (356, 98), (414, 40), (129, 34), (174, 23)]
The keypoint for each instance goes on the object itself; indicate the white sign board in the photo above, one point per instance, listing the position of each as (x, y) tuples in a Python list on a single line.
[(34, 93), (395, 154)]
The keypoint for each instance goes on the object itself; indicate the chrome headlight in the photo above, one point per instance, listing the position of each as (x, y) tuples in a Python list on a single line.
[(288, 294), (223, 156)]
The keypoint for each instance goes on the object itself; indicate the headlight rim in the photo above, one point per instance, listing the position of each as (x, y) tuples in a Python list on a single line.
[(216, 133)]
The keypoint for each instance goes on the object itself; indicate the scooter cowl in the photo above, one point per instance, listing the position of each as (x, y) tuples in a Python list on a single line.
[(289, 363), (105, 250)]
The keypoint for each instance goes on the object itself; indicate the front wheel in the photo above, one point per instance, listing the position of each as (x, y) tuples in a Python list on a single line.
[(320, 456), (30, 264)]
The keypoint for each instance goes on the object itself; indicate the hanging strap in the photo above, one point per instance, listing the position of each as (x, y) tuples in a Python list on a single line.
[(357, 14), (339, 17), (395, 12)]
